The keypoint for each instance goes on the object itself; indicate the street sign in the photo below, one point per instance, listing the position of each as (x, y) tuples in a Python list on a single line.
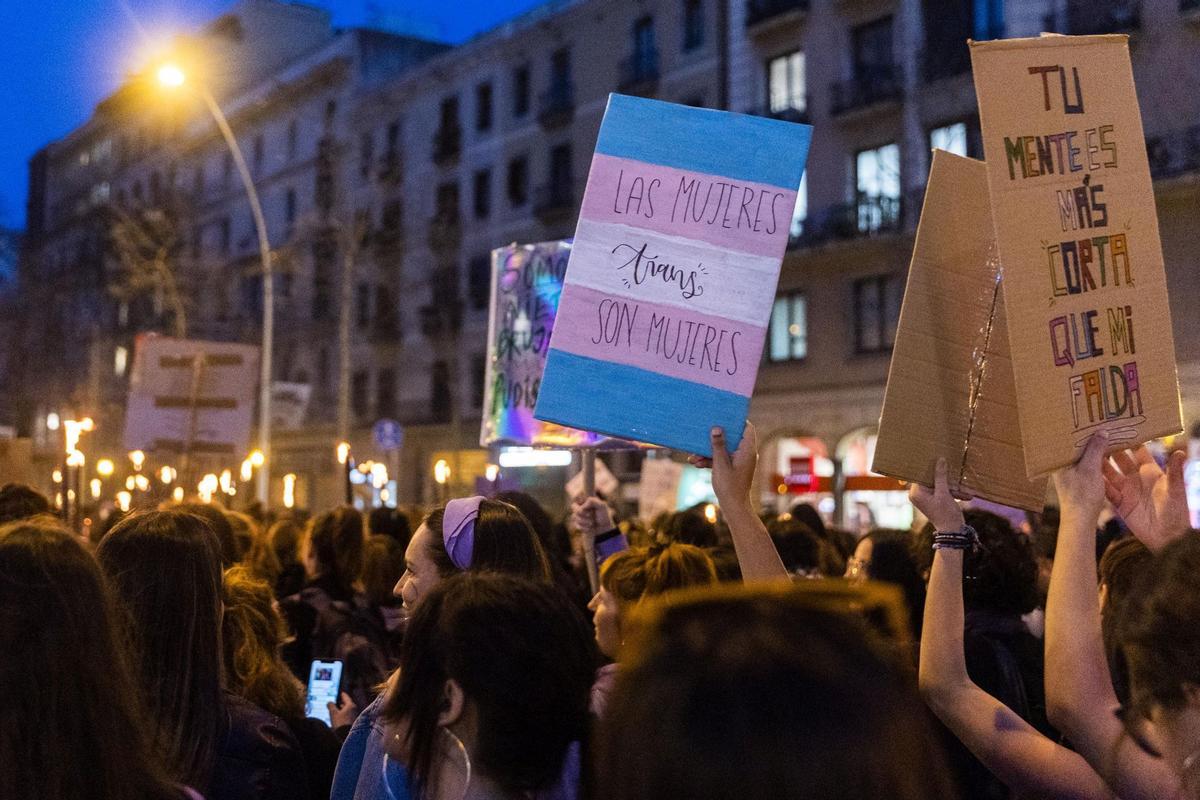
[(389, 434)]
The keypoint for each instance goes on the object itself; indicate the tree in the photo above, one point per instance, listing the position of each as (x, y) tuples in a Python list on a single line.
[(146, 242)]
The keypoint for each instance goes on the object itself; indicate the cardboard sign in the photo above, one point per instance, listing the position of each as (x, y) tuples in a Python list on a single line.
[(189, 397), (289, 405), (1074, 215), (673, 273), (950, 390), (606, 483), (659, 488), (526, 283)]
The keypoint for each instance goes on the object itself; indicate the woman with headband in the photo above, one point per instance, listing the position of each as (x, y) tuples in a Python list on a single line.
[(470, 534)]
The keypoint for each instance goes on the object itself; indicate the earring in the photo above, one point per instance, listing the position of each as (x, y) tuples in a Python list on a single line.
[(466, 757)]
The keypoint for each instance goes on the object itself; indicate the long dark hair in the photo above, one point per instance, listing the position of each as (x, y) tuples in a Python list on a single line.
[(71, 722), (504, 542), (165, 570), (740, 692), (336, 539), (524, 658)]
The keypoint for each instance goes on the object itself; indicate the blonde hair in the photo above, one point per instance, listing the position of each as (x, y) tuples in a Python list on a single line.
[(254, 632), (650, 571)]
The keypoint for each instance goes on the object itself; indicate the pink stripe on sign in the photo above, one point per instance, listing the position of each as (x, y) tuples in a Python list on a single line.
[(671, 341), (736, 215)]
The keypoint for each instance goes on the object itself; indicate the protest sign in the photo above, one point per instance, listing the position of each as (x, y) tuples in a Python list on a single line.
[(659, 488), (673, 273), (950, 390), (606, 483), (289, 405), (1077, 235), (526, 284), (189, 397)]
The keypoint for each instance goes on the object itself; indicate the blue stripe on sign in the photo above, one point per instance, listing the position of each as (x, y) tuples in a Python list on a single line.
[(738, 146), (633, 403)]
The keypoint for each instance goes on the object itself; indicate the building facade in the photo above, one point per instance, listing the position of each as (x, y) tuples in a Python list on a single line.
[(390, 167)]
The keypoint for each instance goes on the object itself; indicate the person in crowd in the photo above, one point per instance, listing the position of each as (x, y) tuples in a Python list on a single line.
[(691, 527), (887, 555), (1027, 761), (72, 723), (555, 539), (1080, 696), (330, 617), (164, 568), (245, 531), (471, 534), (214, 515), (496, 727), (753, 692), (383, 566), (1121, 566), (253, 635), (18, 501), (630, 577), (390, 522), (1044, 533), (284, 539)]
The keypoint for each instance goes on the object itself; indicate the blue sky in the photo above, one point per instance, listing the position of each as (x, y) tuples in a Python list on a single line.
[(61, 57)]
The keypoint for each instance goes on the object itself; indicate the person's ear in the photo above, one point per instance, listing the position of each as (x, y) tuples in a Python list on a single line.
[(454, 700)]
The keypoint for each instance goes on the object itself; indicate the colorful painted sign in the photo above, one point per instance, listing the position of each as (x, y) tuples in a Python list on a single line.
[(527, 280), (1076, 227), (671, 281)]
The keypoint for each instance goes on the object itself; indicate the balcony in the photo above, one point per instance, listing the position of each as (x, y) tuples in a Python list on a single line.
[(1091, 17), (447, 145), (640, 73), (878, 85), (940, 63), (445, 232), (761, 14), (864, 219), (792, 110), (556, 106), (555, 202), (1174, 153)]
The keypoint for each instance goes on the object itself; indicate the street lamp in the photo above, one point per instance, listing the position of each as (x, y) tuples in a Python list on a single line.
[(172, 76)]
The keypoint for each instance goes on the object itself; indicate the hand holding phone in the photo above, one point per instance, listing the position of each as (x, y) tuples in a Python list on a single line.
[(324, 686)]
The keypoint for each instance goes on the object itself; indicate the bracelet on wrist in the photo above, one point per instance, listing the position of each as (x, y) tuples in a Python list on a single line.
[(965, 538)]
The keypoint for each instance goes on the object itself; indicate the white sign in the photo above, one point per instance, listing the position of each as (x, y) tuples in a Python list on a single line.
[(606, 482), (191, 397), (289, 405), (659, 490)]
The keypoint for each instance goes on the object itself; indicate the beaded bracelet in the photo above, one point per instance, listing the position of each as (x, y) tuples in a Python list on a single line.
[(965, 538)]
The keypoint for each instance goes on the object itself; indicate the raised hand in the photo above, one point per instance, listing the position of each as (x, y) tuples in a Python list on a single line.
[(1152, 502), (937, 504), (733, 474), (1081, 486), (592, 516)]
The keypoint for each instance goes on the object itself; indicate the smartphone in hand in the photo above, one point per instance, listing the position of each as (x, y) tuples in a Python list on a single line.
[(324, 687)]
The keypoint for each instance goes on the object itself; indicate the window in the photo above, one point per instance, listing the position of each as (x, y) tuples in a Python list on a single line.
[(693, 24), (289, 211), (482, 200), (258, 152), (521, 91), (872, 51), (449, 113), (385, 393), (292, 137), (877, 187), (362, 305), (391, 147), (788, 336), (989, 20), (478, 377), (252, 296), (785, 84), (386, 321), (359, 398), (120, 360), (330, 111), (518, 181), (560, 168), (447, 201), (876, 312), (197, 242), (366, 153), (223, 236), (560, 69), (439, 392), (952, 138), (479, 281), (226, 171), (483, 107), (800, 211), (645, 53), (198, 180)]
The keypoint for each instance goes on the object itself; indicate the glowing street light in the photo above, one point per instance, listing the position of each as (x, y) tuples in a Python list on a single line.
[(57, 475), (96, 487), (52, 421), (130, 484), (171, 76), (710, 513), (257, 459), (226, 481), (123, 500), (105, 467), (142, 483), (441, 471), (177, 494), (289, 490), (492, 472), (343, 452), (247, 471), (166, 475), (138, 458)]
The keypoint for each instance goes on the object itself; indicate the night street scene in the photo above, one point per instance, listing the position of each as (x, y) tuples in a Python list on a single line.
[(600, 400)]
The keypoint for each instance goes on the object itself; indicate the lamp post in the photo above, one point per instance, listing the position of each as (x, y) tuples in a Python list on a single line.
[(172, 76)]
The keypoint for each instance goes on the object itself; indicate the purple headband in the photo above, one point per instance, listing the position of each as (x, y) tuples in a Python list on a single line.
[(458, 530)]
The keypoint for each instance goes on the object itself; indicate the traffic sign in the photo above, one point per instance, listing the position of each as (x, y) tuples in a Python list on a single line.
[(389, 434)]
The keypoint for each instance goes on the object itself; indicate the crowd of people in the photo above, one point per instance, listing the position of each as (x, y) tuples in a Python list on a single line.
[(166, 655)]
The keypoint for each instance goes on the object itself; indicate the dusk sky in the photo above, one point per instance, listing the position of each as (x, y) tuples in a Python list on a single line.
[(61, 57)]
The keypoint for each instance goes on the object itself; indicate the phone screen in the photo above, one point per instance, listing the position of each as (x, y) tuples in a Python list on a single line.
[(324, 685)]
